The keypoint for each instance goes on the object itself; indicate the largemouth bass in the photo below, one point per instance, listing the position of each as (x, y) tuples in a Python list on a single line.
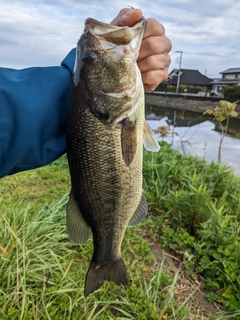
[(106, 131)]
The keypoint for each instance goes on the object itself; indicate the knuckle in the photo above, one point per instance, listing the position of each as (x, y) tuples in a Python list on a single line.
[(154, 27)]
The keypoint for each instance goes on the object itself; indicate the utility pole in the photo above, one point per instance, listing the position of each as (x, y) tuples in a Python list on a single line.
[(179, 70)]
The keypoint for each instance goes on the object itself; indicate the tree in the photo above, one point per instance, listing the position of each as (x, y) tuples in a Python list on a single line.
[(222, 113)]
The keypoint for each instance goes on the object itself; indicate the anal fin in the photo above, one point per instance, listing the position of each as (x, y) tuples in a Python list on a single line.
[(140, 213), (149, 140), (77, 228)]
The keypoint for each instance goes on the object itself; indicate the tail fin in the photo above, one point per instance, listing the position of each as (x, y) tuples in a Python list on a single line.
[(96, 275)]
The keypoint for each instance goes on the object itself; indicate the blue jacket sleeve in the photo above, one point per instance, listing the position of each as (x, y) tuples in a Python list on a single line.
[(33, 107)]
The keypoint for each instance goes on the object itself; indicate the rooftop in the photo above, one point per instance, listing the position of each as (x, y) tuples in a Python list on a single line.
[(224, 81), (231, 70), (189, 77)]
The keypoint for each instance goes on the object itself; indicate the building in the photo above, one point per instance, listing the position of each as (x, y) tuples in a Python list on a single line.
[(190, 77), (230, 77)]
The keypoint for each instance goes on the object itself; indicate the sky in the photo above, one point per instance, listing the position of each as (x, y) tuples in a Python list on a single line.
[(41, 33)]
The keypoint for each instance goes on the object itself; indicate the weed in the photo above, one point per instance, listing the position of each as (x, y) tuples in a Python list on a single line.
[(194, 211), (197, 206), (42, 273), (225, 112)]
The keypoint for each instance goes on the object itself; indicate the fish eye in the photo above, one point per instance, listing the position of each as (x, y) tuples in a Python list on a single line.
[(90, 56)]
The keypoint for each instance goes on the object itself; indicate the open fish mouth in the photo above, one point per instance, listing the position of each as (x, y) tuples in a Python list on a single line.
[(122, 40), (115, 34)]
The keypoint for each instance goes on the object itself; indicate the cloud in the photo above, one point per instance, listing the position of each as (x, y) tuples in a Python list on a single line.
[(43, 32)]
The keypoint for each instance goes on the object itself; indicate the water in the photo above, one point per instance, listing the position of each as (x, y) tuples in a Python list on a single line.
[(198, 135)]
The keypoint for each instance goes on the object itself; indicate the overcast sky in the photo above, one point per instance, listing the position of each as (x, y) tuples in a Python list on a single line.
[(41, 33)]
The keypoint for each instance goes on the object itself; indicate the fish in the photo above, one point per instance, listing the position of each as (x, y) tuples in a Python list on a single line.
[(106, 131)]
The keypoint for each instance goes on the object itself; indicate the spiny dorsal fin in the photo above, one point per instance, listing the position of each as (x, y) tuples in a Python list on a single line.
[(77, 228), (129, 141), (149, 139), (140, 213)]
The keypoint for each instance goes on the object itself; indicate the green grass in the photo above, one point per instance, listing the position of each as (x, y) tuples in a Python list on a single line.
[(42, 273), (38, 187), (199, 206)]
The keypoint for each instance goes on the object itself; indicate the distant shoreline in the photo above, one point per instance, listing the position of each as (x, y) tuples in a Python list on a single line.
[(180, 102)]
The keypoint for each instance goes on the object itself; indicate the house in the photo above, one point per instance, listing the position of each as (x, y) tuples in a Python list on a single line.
[(230, 77), (190, 77)]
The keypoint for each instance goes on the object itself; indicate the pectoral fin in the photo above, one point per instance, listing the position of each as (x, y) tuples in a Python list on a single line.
[(149, 140), (129, 141), (77, 228), (140, 213)]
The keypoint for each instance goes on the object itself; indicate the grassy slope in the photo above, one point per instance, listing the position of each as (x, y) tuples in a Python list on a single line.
[(42, 273)]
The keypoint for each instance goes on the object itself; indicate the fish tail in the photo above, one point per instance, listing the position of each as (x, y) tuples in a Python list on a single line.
[(96, 275)]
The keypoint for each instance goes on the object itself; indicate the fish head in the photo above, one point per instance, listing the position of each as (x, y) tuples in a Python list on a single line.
[(106, 67)]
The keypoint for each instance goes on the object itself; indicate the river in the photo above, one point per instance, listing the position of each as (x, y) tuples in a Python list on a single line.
[(198, 135)]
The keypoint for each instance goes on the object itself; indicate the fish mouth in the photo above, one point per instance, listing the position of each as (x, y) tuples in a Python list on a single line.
[(105, 42), (117, 35)]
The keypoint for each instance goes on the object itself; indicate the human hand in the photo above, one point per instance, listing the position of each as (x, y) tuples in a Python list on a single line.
[(153, 60)]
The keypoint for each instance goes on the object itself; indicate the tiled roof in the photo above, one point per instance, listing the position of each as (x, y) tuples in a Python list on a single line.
[(190, 77), (231, 70), (225, 81)]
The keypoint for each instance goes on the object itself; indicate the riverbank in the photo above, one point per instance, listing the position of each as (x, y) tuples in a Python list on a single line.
[(163, 258), (179, 102)]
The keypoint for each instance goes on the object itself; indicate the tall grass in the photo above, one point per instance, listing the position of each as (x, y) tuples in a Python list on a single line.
[(35, 263), (42, 273), (195, 209)]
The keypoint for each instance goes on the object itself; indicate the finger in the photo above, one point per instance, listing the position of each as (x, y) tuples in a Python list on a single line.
[(153, 28), (154, 45), (154, 62), (152, 79), (127, 17)]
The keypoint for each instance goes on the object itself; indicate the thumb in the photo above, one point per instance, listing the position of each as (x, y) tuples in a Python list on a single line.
[(127, 17)]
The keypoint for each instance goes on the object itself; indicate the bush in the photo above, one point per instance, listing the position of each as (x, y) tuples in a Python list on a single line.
[(231, 92), (164, 86)]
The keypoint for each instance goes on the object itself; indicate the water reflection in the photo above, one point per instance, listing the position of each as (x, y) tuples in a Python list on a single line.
[(198, 135)]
